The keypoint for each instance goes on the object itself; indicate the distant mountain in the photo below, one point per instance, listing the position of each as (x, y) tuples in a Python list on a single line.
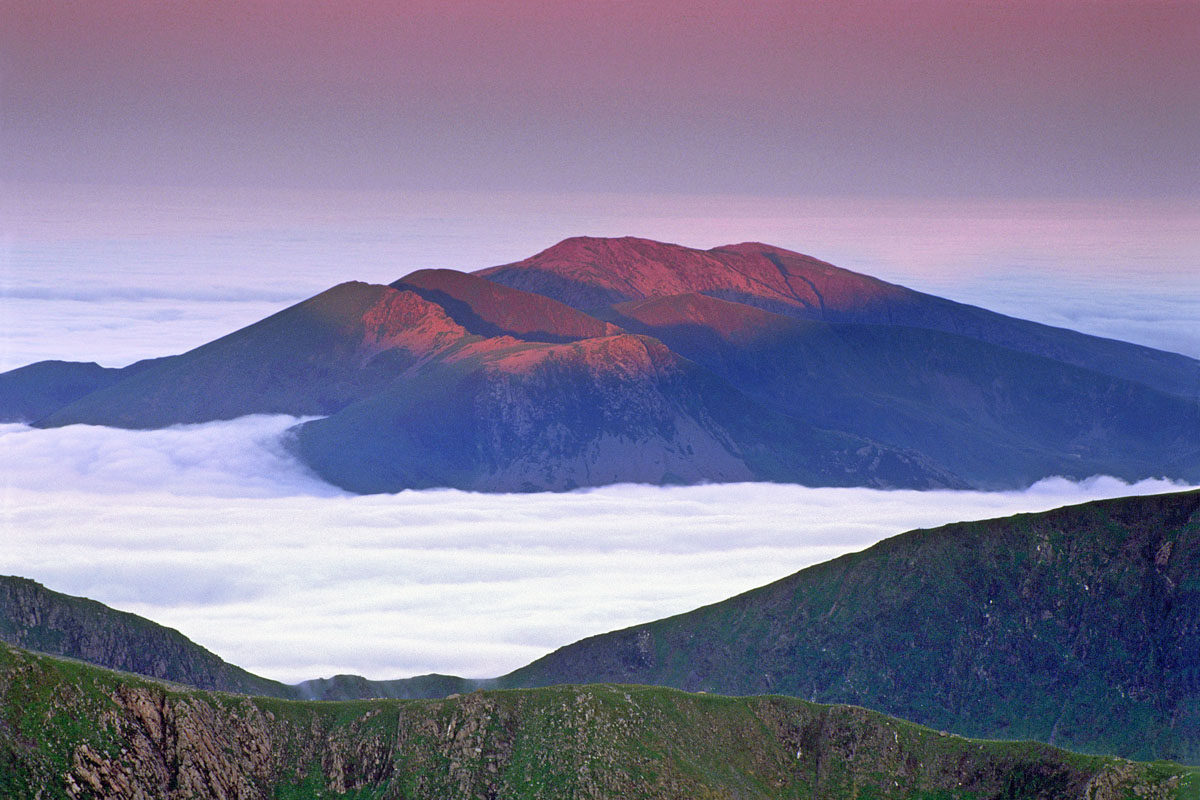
[(986, 413), (615, 409), (1077, 627), (78, 731), (593, 273), (618, 360), (311, 359), (30, 393), (356, 687), (35, 618)]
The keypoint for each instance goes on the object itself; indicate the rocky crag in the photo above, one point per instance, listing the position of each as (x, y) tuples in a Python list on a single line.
[(69, 730)]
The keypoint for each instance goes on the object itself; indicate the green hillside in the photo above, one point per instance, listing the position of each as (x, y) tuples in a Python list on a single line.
[(70, 730), (1076, 627)]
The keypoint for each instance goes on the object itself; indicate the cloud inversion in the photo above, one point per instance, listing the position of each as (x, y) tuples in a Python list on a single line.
[(211, 530)]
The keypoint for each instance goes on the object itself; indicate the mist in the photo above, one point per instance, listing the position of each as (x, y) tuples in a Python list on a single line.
[(214, 530)]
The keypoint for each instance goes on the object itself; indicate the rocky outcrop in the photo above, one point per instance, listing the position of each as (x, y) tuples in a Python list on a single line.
[(70, 731)]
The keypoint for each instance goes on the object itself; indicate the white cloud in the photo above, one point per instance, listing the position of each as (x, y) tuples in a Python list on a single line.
[(213, 530), (242, 457)]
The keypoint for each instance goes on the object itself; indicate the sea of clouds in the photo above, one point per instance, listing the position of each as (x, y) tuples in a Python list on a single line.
[(213, 529)]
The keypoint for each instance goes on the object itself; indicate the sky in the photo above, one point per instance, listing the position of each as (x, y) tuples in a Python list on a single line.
[(921, 98), (171, 171)]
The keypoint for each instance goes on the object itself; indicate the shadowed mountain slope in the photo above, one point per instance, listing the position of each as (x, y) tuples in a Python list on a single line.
[(592, 273), (31, 392), (36, 618), (1079, 627), (73, 730), (986, 413), (607, 410)]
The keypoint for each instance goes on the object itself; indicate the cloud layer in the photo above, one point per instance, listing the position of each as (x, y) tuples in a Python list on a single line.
[(212, 530)]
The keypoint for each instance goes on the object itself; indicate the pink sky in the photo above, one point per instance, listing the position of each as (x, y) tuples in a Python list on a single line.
[(1080, 98)]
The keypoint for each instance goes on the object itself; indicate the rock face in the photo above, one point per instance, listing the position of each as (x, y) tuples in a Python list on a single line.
[(625, 360), (1079, 627), (74, 731)]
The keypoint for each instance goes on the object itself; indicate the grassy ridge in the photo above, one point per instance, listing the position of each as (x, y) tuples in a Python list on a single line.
[(1075, 627), (34, 617), (73, 730)]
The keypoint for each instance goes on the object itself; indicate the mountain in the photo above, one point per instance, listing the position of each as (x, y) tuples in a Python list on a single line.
[(69, 730), (535, 416), (311, 359), (1077, 627), (624, 360), (35, 618), (427, 384), (980, 410), (594, 273), (31, 392)]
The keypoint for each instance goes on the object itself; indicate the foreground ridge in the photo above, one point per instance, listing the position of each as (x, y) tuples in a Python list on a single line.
[(70, 730), (1075, 626)]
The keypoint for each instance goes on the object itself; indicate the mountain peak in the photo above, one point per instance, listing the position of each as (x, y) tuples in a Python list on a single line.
[(487, 308), (590, 273), (574, 244), (755, 247)]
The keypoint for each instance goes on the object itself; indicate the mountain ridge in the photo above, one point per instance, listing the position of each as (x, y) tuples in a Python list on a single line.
[(592, 273), (784, 368), (74, 730), (1074, 626)]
